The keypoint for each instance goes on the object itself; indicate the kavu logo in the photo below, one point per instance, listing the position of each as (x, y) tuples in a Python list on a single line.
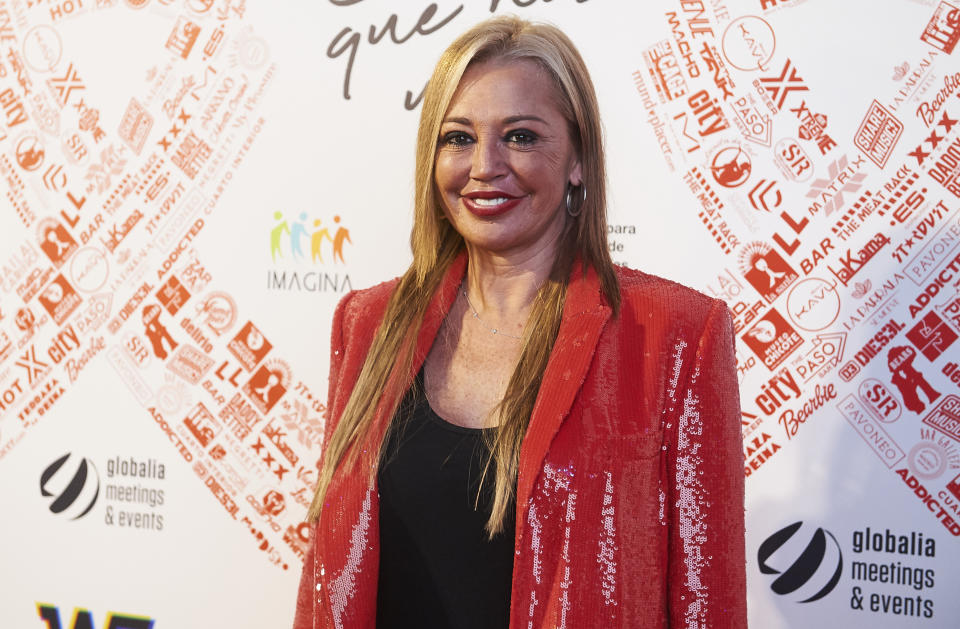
[(74, 485), (809, 565)]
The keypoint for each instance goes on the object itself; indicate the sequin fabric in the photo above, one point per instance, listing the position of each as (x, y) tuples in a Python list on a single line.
[(630, 492)]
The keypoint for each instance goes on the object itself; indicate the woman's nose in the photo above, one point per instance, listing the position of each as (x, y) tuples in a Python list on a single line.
[(488, 160)]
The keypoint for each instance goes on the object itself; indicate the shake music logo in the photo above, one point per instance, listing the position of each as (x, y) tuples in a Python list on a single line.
[(73, 484), (809, 563), (302, 241)]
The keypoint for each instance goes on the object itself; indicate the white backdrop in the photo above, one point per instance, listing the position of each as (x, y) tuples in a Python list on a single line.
[(190, 186)]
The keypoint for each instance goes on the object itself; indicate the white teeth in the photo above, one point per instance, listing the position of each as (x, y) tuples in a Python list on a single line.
[(490, 202)]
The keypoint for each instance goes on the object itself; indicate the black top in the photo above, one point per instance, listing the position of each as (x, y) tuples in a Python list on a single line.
[(437, 567)]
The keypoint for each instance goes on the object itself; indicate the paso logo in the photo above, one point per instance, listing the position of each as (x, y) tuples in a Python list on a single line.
[(808, 564), (74, 485)]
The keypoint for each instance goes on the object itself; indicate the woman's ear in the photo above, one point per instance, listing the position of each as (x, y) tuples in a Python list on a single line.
[(576, 173)]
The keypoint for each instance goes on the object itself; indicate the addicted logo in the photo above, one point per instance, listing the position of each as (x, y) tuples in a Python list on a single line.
[(809, 564), (74, 485)]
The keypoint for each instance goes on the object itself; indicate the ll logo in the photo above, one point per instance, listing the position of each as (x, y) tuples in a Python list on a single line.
[(818, 565), (74, 487)]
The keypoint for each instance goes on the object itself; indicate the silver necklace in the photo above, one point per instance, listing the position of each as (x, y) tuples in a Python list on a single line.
[(476, 315)]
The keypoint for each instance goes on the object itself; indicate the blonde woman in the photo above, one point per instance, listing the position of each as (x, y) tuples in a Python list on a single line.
[(522, 434)]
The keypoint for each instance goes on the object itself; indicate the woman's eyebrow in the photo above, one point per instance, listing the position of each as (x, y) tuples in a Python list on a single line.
[(507, 120), (522, 117)]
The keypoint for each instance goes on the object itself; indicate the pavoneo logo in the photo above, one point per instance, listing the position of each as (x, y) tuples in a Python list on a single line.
[(74, 486), (812, 569)]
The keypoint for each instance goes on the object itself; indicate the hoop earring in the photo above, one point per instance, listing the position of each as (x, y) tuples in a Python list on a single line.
[(583, 189)]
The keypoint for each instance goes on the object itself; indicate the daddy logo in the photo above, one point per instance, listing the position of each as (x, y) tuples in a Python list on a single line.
[(73, 483), (809, 564)]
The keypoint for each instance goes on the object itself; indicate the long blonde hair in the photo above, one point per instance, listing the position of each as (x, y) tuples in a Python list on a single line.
[(436, 244)]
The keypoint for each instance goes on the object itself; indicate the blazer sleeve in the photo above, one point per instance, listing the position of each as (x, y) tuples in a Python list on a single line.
[(307, 614), (706, 584)]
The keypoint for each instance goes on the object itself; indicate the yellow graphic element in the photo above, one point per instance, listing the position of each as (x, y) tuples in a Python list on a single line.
[(297, 232)]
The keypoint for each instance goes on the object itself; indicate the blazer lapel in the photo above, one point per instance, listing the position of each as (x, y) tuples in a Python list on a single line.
[(585, 313)]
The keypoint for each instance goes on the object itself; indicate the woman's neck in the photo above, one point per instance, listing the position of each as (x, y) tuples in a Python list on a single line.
[(502, 288)]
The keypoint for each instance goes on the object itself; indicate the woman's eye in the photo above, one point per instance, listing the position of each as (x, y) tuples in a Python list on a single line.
[(456, 139), (522, 137)]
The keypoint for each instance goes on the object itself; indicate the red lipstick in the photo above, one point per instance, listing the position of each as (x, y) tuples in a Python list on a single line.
[(475, 202)]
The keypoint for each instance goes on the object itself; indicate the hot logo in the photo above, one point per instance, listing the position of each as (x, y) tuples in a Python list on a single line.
[(811, 570)]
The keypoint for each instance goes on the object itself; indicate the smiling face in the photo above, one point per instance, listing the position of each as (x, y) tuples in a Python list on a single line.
[(504, 159)]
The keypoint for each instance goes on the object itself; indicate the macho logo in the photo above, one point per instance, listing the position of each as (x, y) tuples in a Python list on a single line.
[(811, 569), (73, 486)]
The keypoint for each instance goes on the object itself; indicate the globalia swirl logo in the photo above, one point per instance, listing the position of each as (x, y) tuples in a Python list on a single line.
[(809, 570), (74, 486)]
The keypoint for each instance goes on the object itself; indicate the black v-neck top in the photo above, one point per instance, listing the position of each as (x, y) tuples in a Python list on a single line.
[(438, 570)]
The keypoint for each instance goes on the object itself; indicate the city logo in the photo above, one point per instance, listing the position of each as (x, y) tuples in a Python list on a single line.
[(298, 232), (74, 486), (809, 565)]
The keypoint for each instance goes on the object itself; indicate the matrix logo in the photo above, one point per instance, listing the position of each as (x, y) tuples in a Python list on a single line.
[(82, 619), (810, 566), (73, 486)]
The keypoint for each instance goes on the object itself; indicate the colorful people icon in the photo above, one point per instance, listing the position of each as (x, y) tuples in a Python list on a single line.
[(156, 332), (342, 234), (316, 241), (276, 233), (295, 234), (907, 379), (300, 230)]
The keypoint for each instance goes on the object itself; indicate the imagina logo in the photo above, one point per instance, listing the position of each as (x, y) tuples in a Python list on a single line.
[(307, 253), (73, 484), (809, 562)]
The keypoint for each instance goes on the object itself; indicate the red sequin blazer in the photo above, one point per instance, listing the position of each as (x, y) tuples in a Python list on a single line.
[(630, 488)]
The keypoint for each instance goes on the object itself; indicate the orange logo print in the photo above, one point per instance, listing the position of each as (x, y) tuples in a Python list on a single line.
[(297, 235)]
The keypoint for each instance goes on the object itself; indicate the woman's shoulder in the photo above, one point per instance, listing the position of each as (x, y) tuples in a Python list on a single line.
[(366, 305), (642, 292)]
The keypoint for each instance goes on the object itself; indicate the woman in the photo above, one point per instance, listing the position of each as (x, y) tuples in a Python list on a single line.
[(521, 433)]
